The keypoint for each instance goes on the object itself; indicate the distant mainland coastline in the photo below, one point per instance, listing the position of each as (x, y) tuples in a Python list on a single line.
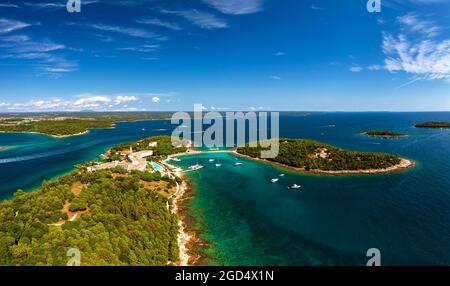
[(309, 156), (61, 126)]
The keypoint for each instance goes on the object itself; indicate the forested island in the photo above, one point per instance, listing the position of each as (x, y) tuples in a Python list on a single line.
[(69, 124), (384, 134), (433, 124), (315, 157), (113, 216)]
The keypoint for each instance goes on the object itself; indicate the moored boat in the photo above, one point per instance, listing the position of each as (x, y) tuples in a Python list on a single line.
[(295, 186)]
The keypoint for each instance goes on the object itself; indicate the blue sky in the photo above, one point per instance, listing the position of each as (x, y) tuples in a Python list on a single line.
[(313, 55)]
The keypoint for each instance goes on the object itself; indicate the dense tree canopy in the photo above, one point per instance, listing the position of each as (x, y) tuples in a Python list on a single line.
[(123, 224)]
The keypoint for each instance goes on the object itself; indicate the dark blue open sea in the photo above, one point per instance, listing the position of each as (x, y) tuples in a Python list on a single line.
[(332, 220)]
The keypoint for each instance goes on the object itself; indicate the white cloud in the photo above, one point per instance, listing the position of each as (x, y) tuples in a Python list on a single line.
[(374, 67), (397, 4), (15, 38), (8, 5), (123, 99), (50, 5), (236, 7), (132, 32), (150, 59), (160, 23), (142, 48), (356, 69), (47, 5), (416, 50), (33, 47), (413, 23), (314, 7), (155, 99), (7, 25), (84, 101), (202, 19), (424, 58), (280, 54), (94, 101), (38, 53), (275, 77), (252, 108), (57, 70)]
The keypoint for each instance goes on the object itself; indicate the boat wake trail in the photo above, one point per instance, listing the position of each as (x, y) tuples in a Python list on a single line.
[(47, 154)]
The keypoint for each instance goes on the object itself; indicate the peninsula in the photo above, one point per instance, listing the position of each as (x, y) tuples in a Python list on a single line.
[(314, 157), (115, 214), (384, 134), (433, 124)]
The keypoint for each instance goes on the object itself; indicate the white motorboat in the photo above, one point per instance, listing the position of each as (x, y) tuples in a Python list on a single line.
[(274, 180), (295, 186), (237, 164), (195, 167)]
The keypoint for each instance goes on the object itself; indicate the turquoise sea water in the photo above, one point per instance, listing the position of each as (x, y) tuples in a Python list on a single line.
[(332, 220), (33, 158)]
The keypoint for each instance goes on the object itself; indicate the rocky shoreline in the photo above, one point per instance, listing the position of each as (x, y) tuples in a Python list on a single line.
[(403, 165), (188, 238)]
